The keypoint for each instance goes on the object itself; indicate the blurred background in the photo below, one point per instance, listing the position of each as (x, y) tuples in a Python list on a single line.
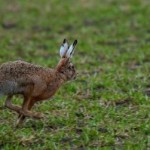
[(108, 105)]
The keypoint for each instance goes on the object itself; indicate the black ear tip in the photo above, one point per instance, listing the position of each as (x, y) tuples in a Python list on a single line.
[(64, 41), (75, 42)]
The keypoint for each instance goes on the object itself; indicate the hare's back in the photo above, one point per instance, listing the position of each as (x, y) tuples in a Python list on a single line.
[(17, 69), (15, 74)]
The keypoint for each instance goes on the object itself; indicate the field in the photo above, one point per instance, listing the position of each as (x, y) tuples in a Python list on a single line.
[(108, 106)]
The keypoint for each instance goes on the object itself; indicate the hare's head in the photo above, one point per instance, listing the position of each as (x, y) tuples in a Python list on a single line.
[(65, 66)]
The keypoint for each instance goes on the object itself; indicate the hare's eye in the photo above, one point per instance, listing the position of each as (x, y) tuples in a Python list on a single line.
[(70, 67)]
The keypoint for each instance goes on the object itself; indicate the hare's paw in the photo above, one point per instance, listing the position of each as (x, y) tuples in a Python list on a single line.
[(38, 115), (31, 114)]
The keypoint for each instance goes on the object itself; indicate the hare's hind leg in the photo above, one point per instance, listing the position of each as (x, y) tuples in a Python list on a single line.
[(9, 105)]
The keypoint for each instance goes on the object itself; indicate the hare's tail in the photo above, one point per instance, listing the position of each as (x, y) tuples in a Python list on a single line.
[(8, 87)]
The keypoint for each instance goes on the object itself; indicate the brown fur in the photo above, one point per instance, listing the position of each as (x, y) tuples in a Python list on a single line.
[(34, 82)]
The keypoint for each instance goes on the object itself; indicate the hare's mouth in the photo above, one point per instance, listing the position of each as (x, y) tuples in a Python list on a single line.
[(74, 77)]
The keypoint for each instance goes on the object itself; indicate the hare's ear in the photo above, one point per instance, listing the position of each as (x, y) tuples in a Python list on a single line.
[(63, 48), (71, 49)]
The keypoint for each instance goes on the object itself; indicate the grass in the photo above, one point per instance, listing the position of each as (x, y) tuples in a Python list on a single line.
[(107, 106)]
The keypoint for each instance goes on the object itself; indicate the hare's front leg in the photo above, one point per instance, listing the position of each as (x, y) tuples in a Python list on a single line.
[(25, 111), (28, 102), (21, 117), (9, 105)]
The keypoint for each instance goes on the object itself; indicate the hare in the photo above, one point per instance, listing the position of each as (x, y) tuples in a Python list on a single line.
[(33, 82)]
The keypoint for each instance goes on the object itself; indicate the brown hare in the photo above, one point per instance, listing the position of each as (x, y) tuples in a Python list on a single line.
[(34, 82)]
